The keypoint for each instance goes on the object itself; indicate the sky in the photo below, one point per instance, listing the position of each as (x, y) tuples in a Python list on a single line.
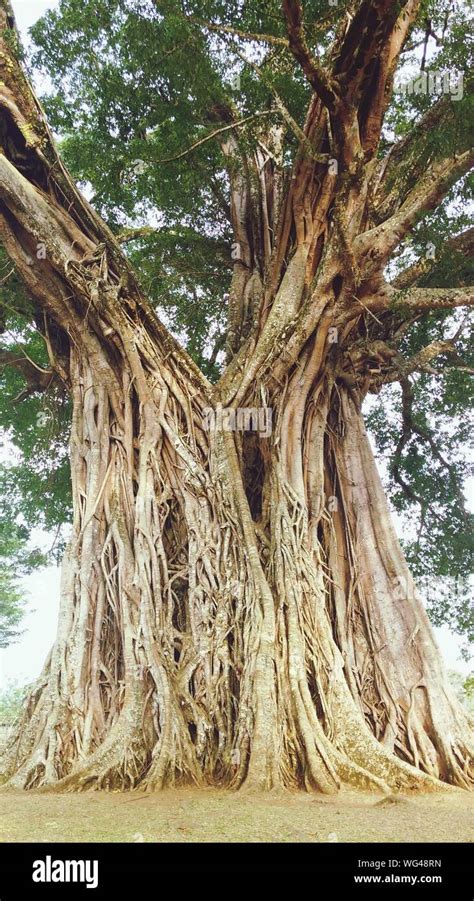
[(22, 661), (28, 11)]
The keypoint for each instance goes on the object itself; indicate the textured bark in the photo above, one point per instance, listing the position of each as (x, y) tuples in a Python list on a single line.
[(235, 609)]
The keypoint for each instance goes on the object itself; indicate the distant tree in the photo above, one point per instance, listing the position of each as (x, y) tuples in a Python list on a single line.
[(11, 701), (17, 558), (11, 598)]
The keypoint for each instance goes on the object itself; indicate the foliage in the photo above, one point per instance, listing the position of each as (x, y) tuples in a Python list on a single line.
[(17, 557), (11, 700), (464, 688)]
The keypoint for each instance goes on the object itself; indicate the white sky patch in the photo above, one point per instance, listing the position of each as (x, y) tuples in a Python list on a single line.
[(27, 12)]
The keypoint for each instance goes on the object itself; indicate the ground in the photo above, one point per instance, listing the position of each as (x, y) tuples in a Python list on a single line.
[(190, 815)]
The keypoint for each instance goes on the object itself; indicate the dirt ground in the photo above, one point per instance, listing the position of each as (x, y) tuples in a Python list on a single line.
[(191, 815)]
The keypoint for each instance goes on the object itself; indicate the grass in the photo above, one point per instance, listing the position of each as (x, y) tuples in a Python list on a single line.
[(200, 815)]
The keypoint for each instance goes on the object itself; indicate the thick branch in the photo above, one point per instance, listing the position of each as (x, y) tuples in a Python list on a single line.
[(41, 203), (378, 92), (421, 299), (420, 362), (369, 31)]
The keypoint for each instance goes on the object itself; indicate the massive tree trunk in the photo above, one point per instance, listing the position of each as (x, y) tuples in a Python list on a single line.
[(235, 606)]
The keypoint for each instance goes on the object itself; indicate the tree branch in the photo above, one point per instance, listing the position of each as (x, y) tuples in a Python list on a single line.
[(283, 110), (425, 299), (43, 201), (379, 88), (217, 131), (237, 32), (37, 379), (410, 427), (369, 30), (461, 244), (420, 362), (132, 234), (319, 79), (406, 161), (374, 247)]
